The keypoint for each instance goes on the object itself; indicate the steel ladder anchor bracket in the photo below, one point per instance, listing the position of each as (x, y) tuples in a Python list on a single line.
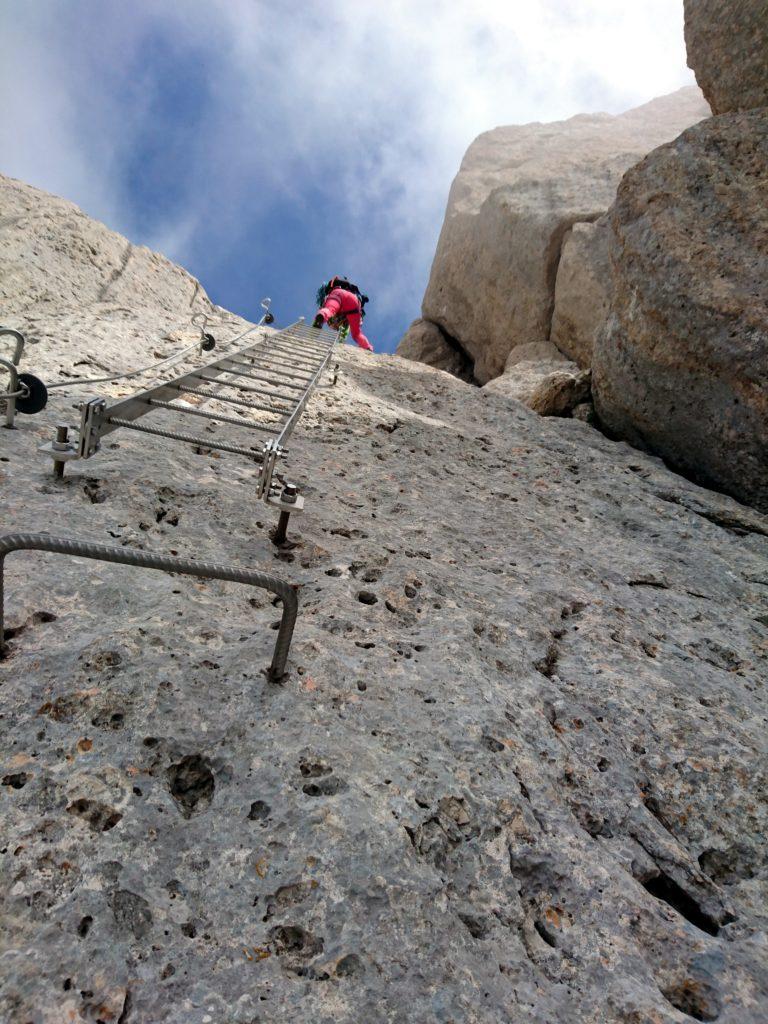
[(275, 673), (98, 419), (288, 500), (266, 364)]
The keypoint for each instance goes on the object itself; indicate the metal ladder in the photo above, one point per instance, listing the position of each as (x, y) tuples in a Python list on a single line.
[(271, 381)]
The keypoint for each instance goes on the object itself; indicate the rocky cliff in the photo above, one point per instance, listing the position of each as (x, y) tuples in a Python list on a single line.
[(511, 214), (517, 770), (663, 296), (85, 292), (727, 43), (681, 365)]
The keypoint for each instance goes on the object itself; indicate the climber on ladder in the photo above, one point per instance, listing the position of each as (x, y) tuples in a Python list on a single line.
[(342, 304)]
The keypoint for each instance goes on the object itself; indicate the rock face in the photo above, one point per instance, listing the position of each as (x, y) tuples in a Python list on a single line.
[(582, 290), (424, 342), (540, 377), (518, 193), (682, 367), (85, 293), (727, 43), (516, 771)]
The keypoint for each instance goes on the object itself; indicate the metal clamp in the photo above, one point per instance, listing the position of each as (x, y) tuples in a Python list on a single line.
[(19, 346), (26, 393), (207, 340), (61, 449), (288, 500), (166, 563), (13, 392)]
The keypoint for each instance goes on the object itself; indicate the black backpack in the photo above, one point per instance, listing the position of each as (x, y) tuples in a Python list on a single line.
[(341, 282)]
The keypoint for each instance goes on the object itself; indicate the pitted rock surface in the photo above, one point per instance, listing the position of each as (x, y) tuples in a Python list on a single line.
[(517, 771), (682, 365), (727, 43)]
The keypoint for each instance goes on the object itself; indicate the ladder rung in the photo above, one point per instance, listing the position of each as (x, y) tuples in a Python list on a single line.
[(188, 411), (187, 438)]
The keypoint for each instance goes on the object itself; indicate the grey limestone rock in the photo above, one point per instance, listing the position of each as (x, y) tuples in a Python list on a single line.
[(517, 769), (682, 366), (727, 43), (425, 342), (582, 290)]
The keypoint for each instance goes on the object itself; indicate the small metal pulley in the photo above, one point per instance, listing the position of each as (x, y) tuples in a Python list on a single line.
[(34, 395)]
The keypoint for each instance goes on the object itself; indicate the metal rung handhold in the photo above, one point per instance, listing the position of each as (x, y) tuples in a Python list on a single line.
[(202, 393), (243, 387), (267, 380), (165, 563), (305, 372), (202, 442), (275, 359), (269, 369), (267, 428)]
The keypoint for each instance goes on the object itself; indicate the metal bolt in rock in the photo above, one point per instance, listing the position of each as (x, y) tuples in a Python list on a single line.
[(61, 444), (288, 496)]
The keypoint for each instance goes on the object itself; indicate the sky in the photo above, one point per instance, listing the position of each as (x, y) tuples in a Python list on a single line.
[(266, 145)]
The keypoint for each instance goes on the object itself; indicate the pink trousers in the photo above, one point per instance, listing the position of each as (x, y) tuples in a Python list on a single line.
[(340, 301)]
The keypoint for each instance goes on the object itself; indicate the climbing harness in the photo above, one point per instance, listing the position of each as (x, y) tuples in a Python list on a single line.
[(166, 563), (26, 393), (280, 371)]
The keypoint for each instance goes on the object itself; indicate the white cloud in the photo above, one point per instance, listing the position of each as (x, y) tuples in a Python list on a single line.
[(372, 102)]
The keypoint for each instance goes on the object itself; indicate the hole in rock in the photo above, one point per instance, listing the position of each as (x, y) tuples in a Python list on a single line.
[(100, 817), (312, 769), (16, 781), (259, 811), (295, 940), (696, 999), (328, 786), (666, 889), (548, 663), (729, 866), (349, 965), (545, 934), (191, 783)]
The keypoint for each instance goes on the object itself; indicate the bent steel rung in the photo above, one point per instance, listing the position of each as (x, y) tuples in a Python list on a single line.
[(165, 563)]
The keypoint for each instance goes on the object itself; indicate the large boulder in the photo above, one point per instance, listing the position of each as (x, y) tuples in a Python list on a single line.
[(682, 368), (425, 342), (727, 42), (550, 387), (519, 191), (582, 290)]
